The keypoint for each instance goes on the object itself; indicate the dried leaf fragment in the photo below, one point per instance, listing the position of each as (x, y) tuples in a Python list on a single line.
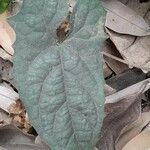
[(122, 19), (132, 130), (7, 35), (135, 50)]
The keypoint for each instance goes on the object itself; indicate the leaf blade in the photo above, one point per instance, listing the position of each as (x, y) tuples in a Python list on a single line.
[(63, 90)]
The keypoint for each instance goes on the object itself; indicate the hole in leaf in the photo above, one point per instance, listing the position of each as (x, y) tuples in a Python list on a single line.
[(62, 30)]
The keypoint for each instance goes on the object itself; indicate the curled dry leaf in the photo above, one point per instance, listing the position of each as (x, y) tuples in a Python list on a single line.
[(122, 19)]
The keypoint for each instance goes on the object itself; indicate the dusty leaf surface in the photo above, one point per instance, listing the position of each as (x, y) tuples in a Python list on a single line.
[(60, 80)]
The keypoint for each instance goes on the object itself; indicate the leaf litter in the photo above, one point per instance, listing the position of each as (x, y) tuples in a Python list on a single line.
[(127, 26)]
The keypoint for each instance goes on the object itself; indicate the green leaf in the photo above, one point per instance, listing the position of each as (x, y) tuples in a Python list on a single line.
[(3, 5), (61, 83)]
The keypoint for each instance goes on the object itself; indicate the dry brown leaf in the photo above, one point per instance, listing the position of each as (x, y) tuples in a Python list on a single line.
[(122, 108), (126, 79), (108, 90), (10, 31), (118, 115), (121, 41), (5, 25), (140, 142), (7, 97), (6, 76), (14, 139), (39, 141), (138, 54), (122, 19), (5, 119), (16, 108), (130, 131), (116, 66), (107, 71), (18, 113), (5, 55), (140, 8), (134, 89), (2, 148), (147, 17), (6, 71), (7, 37), (124, 1), (136, 51)]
